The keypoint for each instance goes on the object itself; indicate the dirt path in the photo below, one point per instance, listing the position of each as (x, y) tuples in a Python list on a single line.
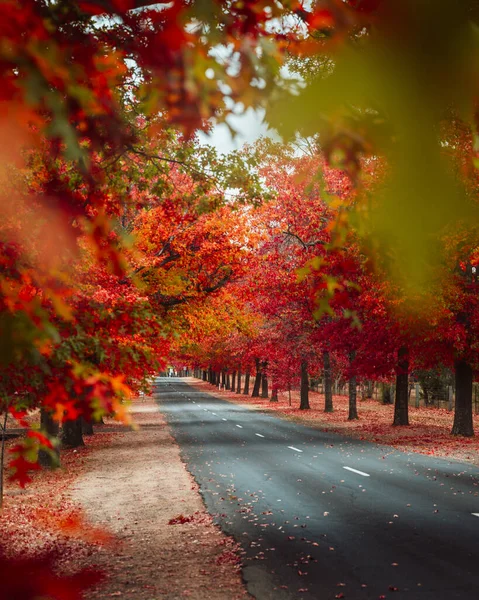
[(134, 485)]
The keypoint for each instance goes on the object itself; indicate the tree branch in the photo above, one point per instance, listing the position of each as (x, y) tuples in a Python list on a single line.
[(305, 245), (170, 301)]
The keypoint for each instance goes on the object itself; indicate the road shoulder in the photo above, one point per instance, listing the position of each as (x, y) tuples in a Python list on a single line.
[(134, 486)]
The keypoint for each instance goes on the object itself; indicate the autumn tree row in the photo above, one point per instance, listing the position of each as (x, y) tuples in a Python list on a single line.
[(123, 242), (315, 302)]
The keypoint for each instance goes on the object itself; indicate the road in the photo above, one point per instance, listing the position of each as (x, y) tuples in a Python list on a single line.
[(322, 516)]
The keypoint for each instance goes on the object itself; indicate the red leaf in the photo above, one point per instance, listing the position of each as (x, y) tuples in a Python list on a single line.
[(180, 520), (33, 578), (44, 441), (21, 468)]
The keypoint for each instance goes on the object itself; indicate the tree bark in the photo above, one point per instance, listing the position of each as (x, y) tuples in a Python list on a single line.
[(274, 393), (264, 382), (328, 390), (387, 394), (86, 427), (463, 424), (49, 459), (246, 383), (238, 384), (304, 389), (223, 379), (228, 382), (2, 455), (370, 389), (257, 380), (233, 381), (353, 408), (72, 434), (401, 403)]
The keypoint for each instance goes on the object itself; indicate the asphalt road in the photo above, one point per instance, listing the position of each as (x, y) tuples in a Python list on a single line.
[(319, 515)]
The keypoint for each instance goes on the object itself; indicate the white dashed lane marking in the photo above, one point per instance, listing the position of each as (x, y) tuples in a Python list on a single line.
[(356, 471), (293, 448), (475, 514), (240, 426), (259, 435), (224, 419)]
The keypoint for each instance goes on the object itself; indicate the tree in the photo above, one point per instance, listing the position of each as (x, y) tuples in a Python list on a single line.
[(353, 409), (402, 388), (79, 118), (365, 96), (304, 390)]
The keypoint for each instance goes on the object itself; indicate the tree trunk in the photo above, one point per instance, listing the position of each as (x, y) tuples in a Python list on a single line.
[(353, 409), (304, 389), (72, 434), (387, 394), (223, 379), (233, 381), (238, 385), (328, 390), (228, 382), (401, 403), (246, 383), (204, 376), (264, 385), (257, 380), (49, 458), (86, 427), (370, 389), (463, 424), (274, 393), (2, 455)]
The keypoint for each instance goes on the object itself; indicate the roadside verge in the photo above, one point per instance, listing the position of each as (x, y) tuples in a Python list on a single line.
[(160, 542)]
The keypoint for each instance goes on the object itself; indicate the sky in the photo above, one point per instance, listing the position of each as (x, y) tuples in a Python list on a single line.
[(249, 126)]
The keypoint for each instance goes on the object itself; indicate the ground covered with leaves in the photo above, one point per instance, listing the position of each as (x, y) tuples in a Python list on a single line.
[(428, 432), (126, 506)]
